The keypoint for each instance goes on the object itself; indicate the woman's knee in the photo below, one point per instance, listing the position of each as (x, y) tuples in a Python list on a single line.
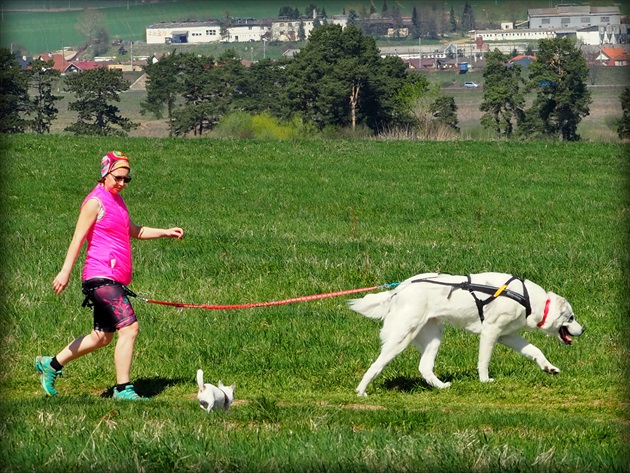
[(129, 331), (102, 338)]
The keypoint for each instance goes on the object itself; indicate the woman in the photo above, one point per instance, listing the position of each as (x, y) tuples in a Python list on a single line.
[(104, 222)]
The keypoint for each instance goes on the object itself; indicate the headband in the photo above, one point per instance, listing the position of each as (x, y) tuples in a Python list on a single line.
[(112, 161)]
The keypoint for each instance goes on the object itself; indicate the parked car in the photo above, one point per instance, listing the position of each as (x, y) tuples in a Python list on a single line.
[(471, 85)]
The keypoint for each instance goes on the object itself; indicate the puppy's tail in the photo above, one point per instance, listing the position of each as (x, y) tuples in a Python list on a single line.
[(200, 380), (374, 306)]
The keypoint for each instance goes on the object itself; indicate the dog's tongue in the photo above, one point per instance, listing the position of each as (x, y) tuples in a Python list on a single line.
[(564, 336)]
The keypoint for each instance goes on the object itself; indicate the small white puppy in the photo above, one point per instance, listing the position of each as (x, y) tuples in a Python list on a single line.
[(211, 396)]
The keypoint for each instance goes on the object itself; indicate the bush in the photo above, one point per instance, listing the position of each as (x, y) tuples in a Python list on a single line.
[(263, 126)]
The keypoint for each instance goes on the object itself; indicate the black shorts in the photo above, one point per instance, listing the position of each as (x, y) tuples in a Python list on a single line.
[(112, 308)]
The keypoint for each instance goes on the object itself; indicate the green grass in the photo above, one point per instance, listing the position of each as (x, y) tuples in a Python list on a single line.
[(275, 220)]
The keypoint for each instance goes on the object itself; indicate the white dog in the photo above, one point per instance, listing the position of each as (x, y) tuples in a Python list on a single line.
[(494, 305), (211, 396)]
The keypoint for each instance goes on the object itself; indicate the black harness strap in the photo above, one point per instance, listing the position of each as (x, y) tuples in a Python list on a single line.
[(91, 285), (494, 292)]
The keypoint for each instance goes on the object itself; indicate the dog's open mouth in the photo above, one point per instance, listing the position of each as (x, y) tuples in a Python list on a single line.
[(564, 335)]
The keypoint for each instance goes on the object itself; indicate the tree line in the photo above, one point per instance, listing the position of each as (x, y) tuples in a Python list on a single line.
[(338, 81)]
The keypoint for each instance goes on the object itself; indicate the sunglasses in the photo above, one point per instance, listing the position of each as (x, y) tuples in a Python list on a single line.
[(119, 179)]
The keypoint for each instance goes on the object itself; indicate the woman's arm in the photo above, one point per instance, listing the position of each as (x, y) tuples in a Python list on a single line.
[(86, 220), (148, 233)]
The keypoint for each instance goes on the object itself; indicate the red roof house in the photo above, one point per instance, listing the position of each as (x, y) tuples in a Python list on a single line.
[(614, 57)]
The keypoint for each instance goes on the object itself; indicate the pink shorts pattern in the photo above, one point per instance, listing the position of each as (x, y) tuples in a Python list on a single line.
[(112, 308)]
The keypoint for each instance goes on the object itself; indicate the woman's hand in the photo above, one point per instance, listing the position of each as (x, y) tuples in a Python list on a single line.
[(61, 282)]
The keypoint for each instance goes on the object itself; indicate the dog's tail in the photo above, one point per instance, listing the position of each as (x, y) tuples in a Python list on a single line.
[(200, 380), (374, 306)]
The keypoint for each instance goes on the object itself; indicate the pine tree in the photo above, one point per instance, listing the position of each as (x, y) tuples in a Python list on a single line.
[(163, 85), (468, 18), (503, 98), (560, 76), (452, 21), (42, 106), (94, 89), (623, 127), (13, 93)]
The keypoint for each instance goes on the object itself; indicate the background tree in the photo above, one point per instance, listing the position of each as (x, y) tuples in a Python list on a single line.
[(339, 79), (503, 97), (42, 108), (559, 74), (468, 18), (353, 17), (94, 89), (444, 112), (91, 24), (266, 82), (13, 93), (310, 10), (623, 128), (210, 91), (434, 116), (195, 113), (301, 31), (452, 21), (288, 12), (415, 22), (163, 85)]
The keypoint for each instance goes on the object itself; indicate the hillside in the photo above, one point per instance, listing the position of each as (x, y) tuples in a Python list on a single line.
[(55, 20)]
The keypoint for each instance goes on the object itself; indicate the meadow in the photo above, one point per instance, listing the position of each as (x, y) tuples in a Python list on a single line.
[(269, 220)]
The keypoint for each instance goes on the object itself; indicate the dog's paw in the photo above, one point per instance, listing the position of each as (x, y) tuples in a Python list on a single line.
[(552, 369), (487, 380), (443, 385), (361, 393)]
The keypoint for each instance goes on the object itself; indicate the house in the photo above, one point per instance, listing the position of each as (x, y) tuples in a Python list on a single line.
[(60, 62), (514, 34), (241, 31), (80, 66), (573, 17), (184, 32), (614, 57), (523, 60), (588, 24), (421, 64), (199, 32)]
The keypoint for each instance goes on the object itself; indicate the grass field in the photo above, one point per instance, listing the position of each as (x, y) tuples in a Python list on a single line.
[(274, 220)]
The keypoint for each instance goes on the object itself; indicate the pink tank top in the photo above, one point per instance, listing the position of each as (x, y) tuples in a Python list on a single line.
[(109, 245)]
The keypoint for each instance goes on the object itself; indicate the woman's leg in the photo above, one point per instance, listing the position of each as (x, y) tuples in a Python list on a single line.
[(84, 345), (123, 353)]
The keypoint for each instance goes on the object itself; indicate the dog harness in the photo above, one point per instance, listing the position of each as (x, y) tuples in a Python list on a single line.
[(494, 292)]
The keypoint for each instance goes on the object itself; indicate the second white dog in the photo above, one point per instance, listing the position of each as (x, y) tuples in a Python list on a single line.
[(214, 397), (494, 305)]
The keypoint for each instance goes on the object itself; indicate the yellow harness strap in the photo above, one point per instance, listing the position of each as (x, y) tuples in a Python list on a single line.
[(500, 290)]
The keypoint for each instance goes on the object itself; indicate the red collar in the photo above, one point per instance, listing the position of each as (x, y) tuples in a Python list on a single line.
[(544, 319)]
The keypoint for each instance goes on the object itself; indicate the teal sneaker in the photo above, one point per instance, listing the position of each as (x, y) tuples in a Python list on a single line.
[(47, 375), (128, 394)]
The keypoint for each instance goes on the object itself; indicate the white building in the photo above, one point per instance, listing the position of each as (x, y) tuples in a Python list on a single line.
[(289, 29), (573, 17), (197, 32), (514, 34), (589, 25)]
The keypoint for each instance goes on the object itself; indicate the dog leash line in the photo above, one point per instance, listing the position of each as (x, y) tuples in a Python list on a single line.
[(184, 305)]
